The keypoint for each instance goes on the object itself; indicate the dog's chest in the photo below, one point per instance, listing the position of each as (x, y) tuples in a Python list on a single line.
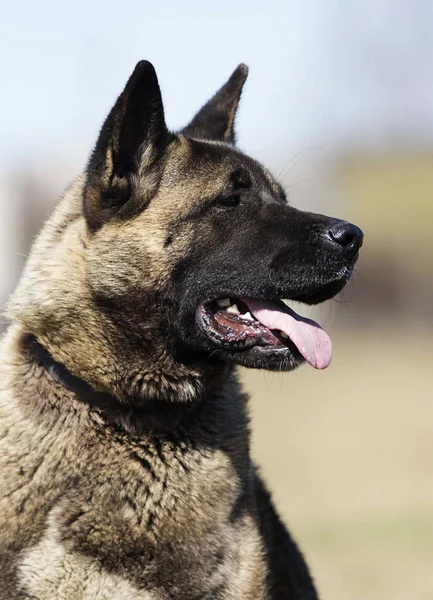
[(166, 491), (147, 521)]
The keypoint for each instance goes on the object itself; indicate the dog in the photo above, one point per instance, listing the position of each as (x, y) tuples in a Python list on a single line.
[(124, 435)]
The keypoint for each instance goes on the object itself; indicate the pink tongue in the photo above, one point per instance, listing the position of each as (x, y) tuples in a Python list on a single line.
[(312, 342)]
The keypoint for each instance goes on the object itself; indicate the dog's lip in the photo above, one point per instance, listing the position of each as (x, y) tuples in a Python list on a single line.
[(232, 332), (275, 326), (269, 323), (322, 292)]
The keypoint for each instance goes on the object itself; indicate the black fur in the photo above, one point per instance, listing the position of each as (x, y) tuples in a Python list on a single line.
[(215, 121)]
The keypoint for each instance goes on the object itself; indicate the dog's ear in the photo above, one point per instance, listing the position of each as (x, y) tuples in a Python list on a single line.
[(131, 142), (215, 121)]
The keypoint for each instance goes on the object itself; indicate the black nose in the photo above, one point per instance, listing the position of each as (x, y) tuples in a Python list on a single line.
[(349, 237)]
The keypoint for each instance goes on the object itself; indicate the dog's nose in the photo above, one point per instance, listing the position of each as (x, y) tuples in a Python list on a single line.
[(348, 236)]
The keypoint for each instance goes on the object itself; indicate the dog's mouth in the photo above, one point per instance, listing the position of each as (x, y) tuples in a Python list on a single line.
[(239, 324)]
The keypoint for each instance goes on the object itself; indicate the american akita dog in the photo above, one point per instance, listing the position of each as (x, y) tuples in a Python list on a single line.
[(124, 442)]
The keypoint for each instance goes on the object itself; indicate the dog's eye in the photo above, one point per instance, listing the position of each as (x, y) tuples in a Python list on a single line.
[(232, 200)]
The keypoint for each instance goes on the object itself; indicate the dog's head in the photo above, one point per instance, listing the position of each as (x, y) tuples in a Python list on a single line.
[(190, 245)]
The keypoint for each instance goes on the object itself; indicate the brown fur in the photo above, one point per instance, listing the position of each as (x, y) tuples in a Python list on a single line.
[(64, 464), (143, 488)]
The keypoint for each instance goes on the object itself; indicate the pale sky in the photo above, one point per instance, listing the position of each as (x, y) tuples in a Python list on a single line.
[(324, 72)]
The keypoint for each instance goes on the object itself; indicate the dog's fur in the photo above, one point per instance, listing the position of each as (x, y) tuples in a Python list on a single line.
[(124, 441)]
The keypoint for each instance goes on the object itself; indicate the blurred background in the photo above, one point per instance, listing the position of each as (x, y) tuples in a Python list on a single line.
[(339, 105)]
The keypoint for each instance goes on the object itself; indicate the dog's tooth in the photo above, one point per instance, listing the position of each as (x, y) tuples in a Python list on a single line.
[(223, 303), (233, 309), (284, 335), (248, 316)]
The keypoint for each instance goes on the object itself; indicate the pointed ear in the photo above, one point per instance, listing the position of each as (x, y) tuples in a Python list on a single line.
[(215, 121), (131, 142)]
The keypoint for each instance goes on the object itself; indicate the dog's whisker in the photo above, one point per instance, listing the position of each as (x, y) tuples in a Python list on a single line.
[(296, 183), (294, 161)]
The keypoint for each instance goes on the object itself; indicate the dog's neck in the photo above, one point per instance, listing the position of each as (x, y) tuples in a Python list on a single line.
[(74, 384), (137, 416), (61, 311)]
